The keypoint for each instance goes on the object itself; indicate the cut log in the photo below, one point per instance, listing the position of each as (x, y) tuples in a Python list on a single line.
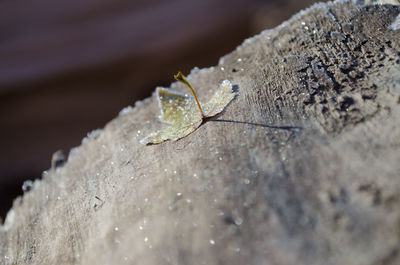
[(301, 168)]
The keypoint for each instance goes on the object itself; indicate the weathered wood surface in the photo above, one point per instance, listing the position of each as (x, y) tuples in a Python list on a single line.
[(302, 167)]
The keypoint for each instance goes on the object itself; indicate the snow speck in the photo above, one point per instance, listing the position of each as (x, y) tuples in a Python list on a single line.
[(125, 111), (72, 151), (90, 135), (27, 186), (396, 23)]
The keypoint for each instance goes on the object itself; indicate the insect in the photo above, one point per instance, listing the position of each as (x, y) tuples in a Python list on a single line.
[(185, 114)]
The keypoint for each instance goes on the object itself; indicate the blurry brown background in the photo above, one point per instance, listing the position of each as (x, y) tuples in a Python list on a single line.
[(69, 66)]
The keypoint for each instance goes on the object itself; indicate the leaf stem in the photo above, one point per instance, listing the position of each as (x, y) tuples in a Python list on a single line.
[(181, 78)]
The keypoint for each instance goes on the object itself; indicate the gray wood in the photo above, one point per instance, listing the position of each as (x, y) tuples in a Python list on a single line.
[(301, 168)]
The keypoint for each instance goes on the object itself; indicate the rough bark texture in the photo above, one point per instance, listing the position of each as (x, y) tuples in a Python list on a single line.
[(301, 168)]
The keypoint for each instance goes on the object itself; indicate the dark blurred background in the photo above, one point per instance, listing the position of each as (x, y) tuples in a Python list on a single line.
[(69, 66)]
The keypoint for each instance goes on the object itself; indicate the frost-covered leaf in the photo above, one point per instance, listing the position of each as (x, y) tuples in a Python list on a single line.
[(183, 114)]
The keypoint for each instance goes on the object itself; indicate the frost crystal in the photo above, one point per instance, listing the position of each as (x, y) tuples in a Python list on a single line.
[(183, 115)]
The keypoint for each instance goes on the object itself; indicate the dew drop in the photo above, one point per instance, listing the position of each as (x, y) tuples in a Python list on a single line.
[(212, 242), (116, 228), (146, 239)]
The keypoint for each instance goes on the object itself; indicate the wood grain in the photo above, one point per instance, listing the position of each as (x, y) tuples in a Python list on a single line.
[(301, 168)]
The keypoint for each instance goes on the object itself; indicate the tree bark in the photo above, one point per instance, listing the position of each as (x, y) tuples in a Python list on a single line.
[(301, 168)]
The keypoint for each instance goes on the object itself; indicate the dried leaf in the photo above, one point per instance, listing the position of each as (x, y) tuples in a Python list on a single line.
[(183, 113)]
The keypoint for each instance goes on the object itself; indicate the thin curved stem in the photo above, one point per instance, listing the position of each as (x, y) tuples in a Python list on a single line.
[(181, 78)]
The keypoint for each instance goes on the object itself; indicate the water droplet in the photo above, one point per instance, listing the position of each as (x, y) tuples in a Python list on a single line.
[(246, 181), (116, 228), (58, 198), (195, 175), (239, 60), (222, 68), (238, 221), (174, 171), (140, 227), (188, 200), (212, 242), (146, 239), (179, 194), (220, 158)]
